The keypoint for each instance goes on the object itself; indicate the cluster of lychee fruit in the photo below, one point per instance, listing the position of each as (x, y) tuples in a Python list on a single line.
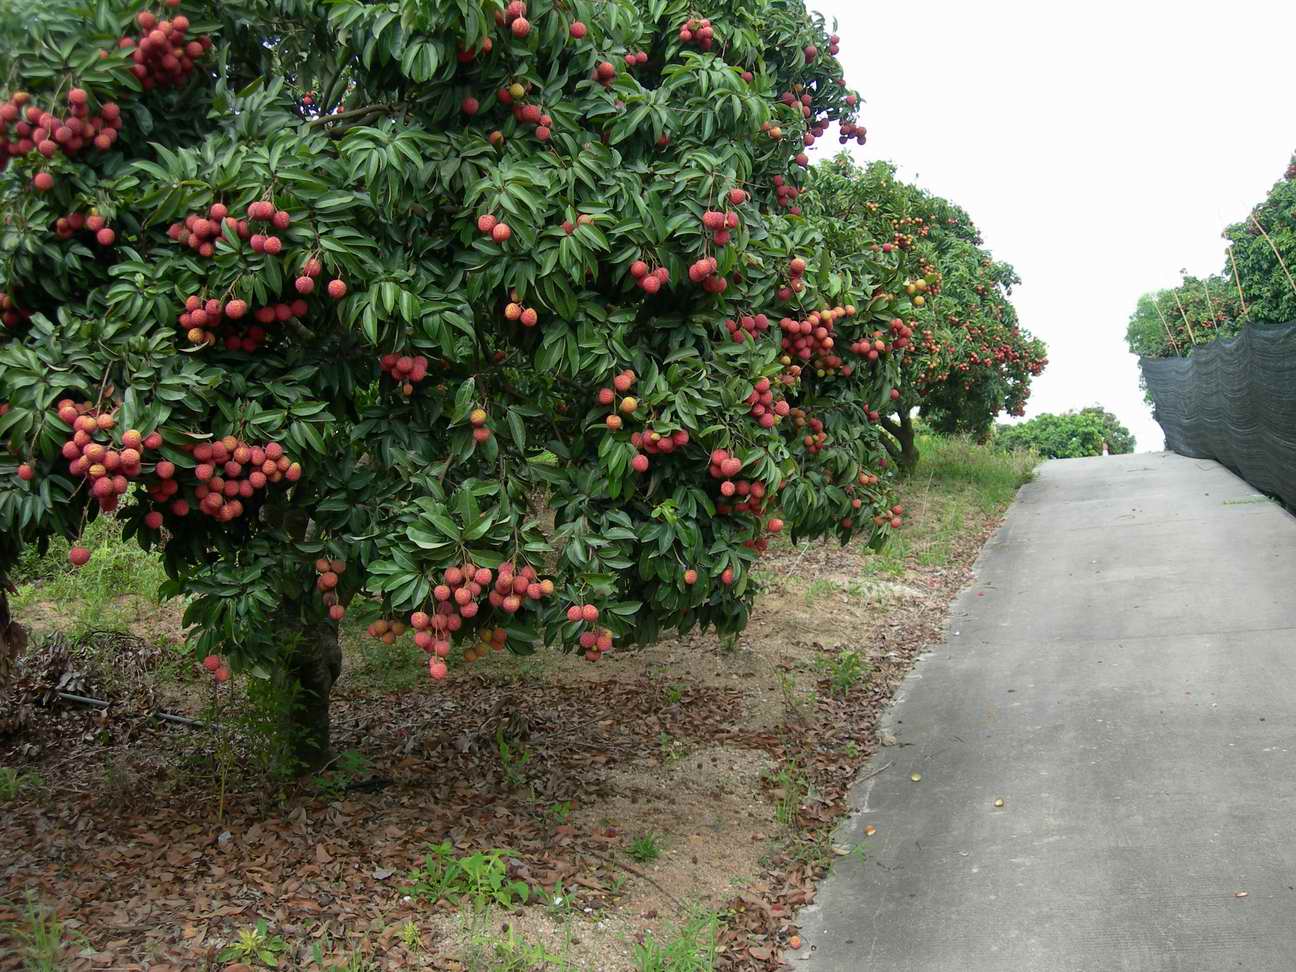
[(202, 318), (457, 599), (199, 232), (230, 471), (65, 227), (595, 641), (163, 56), (527, 316), (92, 453), (477, 419), (705, 273), (649, 280), (328, 574), (406, 370), (796, 279), (762, 406), (11, 315), (697, 31), (220, 671), (621, 383), (523, 114), (655, 443), (27, 128), (721, 224), (814, 440), (514, 18), (746, 328), (786, 195), (490, 226)]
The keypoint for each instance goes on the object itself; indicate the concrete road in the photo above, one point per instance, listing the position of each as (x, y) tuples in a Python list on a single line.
[(1122, 674)]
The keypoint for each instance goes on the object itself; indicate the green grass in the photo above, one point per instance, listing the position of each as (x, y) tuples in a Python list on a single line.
[(957, 482), (89, 598), (689, 948), (14, 783), (645, 849), (40, 936)]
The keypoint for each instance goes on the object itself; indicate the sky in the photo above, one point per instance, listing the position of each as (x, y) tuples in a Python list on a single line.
[(1100, 147)]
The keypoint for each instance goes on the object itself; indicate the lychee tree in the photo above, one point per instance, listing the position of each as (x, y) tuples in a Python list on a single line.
[(500, 324), (966, 358)]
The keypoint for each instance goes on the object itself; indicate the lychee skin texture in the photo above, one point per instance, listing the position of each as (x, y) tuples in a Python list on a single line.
[(78, 556), (337, 289)]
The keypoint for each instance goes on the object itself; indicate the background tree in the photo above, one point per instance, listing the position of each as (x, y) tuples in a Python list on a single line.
[(966, 357), (1256, 285), (1070, 435), (328, 303)]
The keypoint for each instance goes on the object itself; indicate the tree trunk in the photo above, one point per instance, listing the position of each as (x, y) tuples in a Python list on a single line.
[(315, 664), (901, 441), (13, 636)]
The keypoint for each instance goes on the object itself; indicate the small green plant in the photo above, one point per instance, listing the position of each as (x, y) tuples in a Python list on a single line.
[(513, 760), (796, 706), (790, 790), (559, 812), (14, 783), (39, 934), (852, 749), (672, 750), (817, 590), (645, 849), (350, 766), (411, 937), (674, 694), (690, 948), (507, 951), (845, 670), (255, 944), (352, 961), (481, 879)]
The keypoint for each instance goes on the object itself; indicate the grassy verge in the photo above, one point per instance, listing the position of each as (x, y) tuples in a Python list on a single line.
[(957, 483)]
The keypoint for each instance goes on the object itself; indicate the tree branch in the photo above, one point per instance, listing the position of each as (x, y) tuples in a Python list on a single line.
[(355, 113)]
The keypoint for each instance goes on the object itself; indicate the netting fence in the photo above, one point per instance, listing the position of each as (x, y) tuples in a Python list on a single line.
[(1234, 401)]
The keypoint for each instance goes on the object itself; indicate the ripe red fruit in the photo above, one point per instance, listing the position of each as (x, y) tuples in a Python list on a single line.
[(221, 674), (775, 525), (79, 556), (26, 473), (501, 232), (470, 105), (727, 577), (153, 520), (337, 612), (529, 317), (578, 29), (43, 181), (304, 285), (520, 27), (211, 662), (737, 197), (589, 613), (337, 289), (272, 245), (605, 71), (639, 463), (486, 223)]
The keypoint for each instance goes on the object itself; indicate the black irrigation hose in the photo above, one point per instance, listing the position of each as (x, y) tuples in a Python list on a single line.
[(164, 716)]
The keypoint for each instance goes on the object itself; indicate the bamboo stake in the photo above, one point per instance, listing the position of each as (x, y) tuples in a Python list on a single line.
[(1166, 324), (1184, 314), (1281, 262), (1237, 280)]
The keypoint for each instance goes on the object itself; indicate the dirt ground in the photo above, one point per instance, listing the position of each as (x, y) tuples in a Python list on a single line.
[(155, 845)]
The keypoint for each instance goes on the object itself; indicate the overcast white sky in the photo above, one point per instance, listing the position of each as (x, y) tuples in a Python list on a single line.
[(1099, 146)]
